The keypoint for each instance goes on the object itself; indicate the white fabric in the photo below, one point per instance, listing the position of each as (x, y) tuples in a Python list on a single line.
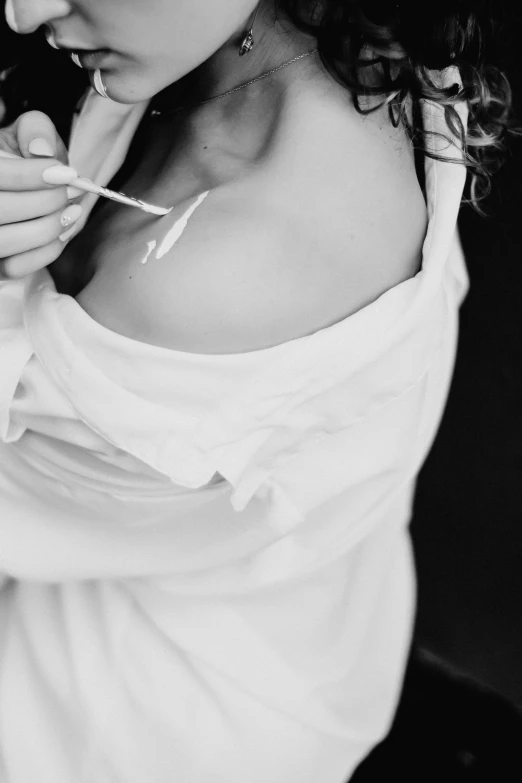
[(158, 626)]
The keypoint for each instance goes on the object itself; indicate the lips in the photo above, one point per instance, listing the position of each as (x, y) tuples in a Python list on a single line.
[(88, 58), (82, 57)]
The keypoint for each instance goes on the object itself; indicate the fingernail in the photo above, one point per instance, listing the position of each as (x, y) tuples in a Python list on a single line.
[(70, 214), (66, 234), (59, 175), (41, 147)]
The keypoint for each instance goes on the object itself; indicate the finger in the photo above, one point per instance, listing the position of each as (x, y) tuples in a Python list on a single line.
[(36, 125), (26, 263), (18, 206), (29, 234), (26, 174)]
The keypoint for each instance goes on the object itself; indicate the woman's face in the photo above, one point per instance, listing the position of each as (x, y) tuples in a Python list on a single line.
[(153, 42)]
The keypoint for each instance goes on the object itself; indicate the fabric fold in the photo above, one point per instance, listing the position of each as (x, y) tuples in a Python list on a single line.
[(100, 157), (15, 352), (309, 390)]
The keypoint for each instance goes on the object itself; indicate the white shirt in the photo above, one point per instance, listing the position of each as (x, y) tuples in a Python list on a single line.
[(156, 626)]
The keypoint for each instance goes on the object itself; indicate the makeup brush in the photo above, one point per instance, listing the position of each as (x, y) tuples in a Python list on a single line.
[(82, 183)]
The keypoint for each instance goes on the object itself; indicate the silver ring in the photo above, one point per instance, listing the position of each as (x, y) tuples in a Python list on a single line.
[(99, 85), (49, 37)]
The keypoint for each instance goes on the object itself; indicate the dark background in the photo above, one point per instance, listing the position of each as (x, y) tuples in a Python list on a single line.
[(467, 525)]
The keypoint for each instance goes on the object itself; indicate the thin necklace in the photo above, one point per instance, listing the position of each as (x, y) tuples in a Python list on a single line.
[(168, 112)]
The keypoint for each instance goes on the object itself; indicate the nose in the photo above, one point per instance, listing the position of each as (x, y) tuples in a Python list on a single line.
[(26, 16)]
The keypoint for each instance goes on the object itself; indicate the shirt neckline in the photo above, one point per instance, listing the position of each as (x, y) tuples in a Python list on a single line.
[(431, 166)]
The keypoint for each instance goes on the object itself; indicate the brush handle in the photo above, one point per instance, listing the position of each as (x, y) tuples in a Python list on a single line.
[(80, 182), (84, 184)]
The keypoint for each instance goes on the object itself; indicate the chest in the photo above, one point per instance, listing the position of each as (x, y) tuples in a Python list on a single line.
[(158, 170), (109, 270)]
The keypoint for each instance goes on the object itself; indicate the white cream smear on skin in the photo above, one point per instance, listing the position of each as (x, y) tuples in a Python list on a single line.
[(174, 232)]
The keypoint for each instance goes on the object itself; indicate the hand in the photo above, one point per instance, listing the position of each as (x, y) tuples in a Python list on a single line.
[(35, 217)]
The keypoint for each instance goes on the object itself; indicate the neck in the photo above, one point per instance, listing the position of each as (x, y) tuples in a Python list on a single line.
[(276, 41), (236, 129)]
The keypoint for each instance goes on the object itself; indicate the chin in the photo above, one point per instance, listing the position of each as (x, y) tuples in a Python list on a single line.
[(123, 89)]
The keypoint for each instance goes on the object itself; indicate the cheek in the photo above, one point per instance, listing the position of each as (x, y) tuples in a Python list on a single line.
[(188, 33), (185, 33)]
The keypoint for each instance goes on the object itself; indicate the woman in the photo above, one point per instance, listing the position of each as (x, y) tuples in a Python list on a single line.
[(212, 421)]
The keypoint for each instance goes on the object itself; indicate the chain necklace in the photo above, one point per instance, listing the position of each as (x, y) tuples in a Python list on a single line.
[(168, 112)]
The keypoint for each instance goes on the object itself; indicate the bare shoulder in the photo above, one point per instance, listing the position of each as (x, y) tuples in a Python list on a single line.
[(319, 235)]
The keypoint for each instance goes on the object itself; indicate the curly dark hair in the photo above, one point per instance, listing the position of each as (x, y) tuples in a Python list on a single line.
[(405, 42), (408, 43)]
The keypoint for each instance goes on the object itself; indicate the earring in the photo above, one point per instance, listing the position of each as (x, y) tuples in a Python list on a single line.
[(248, 41)]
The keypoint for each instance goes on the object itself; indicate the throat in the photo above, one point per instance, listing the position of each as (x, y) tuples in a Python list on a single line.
[(208, 145)]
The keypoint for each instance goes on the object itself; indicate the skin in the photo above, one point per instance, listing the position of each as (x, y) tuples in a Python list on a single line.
[(194, 56), (196, 37), (275, 157)]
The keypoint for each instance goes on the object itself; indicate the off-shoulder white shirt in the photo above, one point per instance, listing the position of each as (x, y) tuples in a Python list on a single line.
[(158, 626)]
